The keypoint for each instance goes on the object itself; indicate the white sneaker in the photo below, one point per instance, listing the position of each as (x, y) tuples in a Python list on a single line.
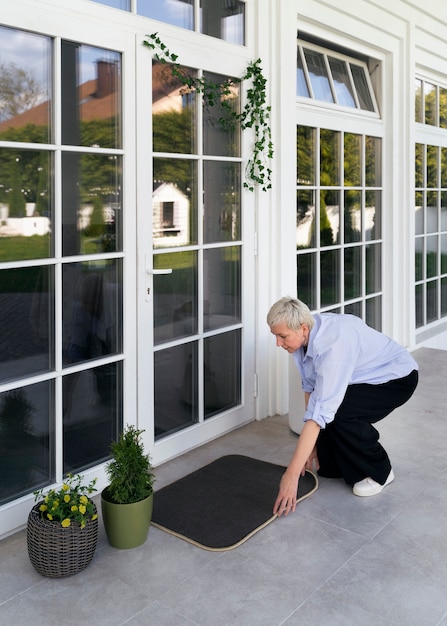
[(369, 487)]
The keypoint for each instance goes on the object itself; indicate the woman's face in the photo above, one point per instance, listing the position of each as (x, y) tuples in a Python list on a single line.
[(290, 340)]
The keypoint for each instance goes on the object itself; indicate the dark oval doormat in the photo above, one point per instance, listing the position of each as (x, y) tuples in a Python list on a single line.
[(223, 504)]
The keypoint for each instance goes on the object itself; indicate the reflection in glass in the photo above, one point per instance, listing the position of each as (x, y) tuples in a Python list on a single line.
[(442, 107), (174, 203), (373, 312), (318, 76), (175, 389), (419, 209), (301, 83), (124, 5), (222, 372), (91, 96), (25, 86), (330, 277), (373, 161), (432, 166), (430, 104), (419, 304), (443, 254), (354, 308), (352, 216), (443, 174), (306, 155), (221, 138), (329, 217), (307, 279), (222, 287), (93, 415), (91, 203), (175, 296), (305, 219), (362, 87), (92, 310), (329, 157), (342, 82), (27, 321), (25, 205), (431, 253), (373, 268), (432, 211), (419, 258), (26, 440), (373, 215), (432, 301), (443, 297), (353, 271), (224, 20), (176, 12), (173, 110), (418, 105), (443, 210), (352, 160), (419, 165), (222, 210)]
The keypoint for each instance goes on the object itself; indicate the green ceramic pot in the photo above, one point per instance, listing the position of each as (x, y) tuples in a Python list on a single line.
[(126, 525)]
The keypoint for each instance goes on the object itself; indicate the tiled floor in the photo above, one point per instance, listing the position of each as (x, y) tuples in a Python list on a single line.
[(338, 560)]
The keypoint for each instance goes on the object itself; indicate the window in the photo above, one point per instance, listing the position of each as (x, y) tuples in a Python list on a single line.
[(333, 78), (430, 102), (224, 20)]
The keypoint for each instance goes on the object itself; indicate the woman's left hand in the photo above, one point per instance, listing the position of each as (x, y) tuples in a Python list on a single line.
[(288, 489)]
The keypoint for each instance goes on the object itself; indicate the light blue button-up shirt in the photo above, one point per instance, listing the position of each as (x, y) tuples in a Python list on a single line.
[(342, 350)]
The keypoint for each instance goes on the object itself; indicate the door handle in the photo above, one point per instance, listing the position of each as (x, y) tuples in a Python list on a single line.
[(156, 272)]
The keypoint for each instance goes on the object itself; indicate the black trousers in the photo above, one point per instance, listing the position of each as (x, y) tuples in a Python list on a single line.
[(349, 446)]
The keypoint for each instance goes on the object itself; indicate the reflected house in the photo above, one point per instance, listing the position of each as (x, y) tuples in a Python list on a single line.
[(170, 209), (305, 227)]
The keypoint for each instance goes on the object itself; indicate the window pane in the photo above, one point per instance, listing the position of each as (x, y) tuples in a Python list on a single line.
[(329, 157), (443, 167), (418, 108), (25, 205), (432, 256), (342, 82), (25, 86), (124, 5), (430, 104), (373, 215), (26, 440), (175, 406), (318, 76), (443, 254), (175, 12), (173, 110), (222, 287), (352, 160), (175, 296), (373, 161), (330, 277), (91, 203), (374, 313), (443, 297), (442, 107), (419, 165), (432, 211), (221, 139), (307, 279), (419, 258), (27, 322), (301, 84), (419, 209), (92, 310), (329, 217), (373, 268), (352, 216), (306, 155), (353, 272), (432, 166), (224, 20), (443, 210), (222, 372), (222, 211), (93, 415), (362, 87), (91, 96), (432, 301), (355, 308), (419, 304), (305, 219), (174, 203)]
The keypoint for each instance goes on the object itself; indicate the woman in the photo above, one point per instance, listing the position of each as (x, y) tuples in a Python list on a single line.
[(352, 377)]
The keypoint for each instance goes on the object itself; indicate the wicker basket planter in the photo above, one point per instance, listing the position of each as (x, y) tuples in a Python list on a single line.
[(55, 551)]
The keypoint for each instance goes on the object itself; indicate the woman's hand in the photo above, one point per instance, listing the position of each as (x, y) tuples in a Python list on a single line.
[(288, 489)]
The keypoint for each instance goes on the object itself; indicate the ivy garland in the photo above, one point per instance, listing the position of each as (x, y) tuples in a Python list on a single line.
[(254, 115)]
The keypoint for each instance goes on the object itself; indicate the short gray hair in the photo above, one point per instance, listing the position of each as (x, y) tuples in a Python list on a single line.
[(290, 311)]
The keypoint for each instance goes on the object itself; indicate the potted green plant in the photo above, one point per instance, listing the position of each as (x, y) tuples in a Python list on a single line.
[(62, 528), (127, 501)]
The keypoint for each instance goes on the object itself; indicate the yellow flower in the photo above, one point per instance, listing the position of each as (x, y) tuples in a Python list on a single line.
[(82, 509), (65, 487), (75, 508), (50, 517), (55, 504), (43, 507), (66, 498), (65, 522), (83, 499), (94, 516)]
